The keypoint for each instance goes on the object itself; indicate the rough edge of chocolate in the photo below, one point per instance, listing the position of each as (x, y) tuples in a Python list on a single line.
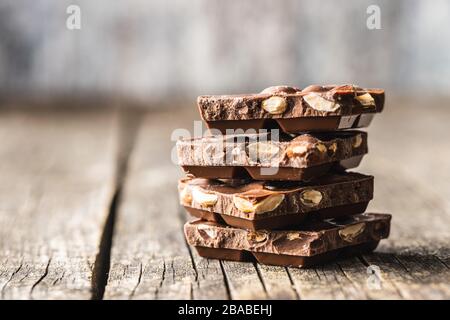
[(312, 240), (357, 188), (303, 151), (249, 106)]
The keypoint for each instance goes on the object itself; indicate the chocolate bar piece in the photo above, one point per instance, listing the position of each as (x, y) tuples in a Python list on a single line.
[(309, 245), (260, 157), (257, 205), (315, 108)]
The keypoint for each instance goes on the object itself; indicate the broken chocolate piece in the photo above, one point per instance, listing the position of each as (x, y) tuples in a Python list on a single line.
[(311, 244), (274, 205), (315, 108), (260, 157)]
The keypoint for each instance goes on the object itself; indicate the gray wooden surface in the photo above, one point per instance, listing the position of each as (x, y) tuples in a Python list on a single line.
[(88, 209)]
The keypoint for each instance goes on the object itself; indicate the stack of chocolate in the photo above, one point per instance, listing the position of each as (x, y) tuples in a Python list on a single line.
[(271, 183)]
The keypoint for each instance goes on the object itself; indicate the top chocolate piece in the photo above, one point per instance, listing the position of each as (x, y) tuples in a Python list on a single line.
[(315, 108)]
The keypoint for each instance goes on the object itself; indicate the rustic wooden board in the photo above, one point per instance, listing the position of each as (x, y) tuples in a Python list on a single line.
[(57, 181), (149, 257)]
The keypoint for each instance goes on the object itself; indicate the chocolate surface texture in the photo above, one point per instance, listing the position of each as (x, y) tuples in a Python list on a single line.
[(302, 151), (290, 102), (259, 200), (312, 239), (315, 108)]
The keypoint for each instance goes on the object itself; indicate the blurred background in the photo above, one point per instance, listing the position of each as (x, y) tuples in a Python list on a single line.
[(87, 118), (158, 51)]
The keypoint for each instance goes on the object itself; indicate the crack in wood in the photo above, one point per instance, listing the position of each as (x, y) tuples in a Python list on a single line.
[(161, 282), (182, 218), (128, 125), (137, 283), (401, 264), (354, 285), (443, 262), (297, 295), (41, 278), (260, 277), (226, 281), (10, 279), (59, 279)]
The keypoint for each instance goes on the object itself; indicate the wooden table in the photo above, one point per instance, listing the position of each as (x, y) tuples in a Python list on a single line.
[(89, 209)]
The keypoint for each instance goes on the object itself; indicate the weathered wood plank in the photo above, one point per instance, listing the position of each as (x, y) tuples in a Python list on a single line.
[(150, 258), (57, 174), (277, 282), (243, 280)]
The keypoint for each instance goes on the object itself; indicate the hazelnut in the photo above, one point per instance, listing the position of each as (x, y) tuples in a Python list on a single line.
[(256, 236), (293, 236), (351, 232), (321, 147), (210, 232), (366, 100), (186, 196), (311, 198), (275, 105), (332, 148), (204, 198), (268, 204), (319, 103), (297, 150), (358, 141), (262, 151)]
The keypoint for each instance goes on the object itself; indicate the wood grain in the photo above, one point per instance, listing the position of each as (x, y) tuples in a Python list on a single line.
[(57, 182), (150, 258)]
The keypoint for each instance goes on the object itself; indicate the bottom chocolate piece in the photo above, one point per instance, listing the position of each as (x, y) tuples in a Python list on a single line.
[(283, 259), (314, 243)]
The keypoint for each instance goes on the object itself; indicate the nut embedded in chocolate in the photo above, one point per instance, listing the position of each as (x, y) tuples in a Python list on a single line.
[(358, 141), (311, 198), (319, 103), (262, 151), (321, 147), (366, 100), (310, 240), (315, 108), (350, 233), (316, 151), (267, 204), (275, 105), (205, 199), (256, 237), (186, 196), (264, 204)]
